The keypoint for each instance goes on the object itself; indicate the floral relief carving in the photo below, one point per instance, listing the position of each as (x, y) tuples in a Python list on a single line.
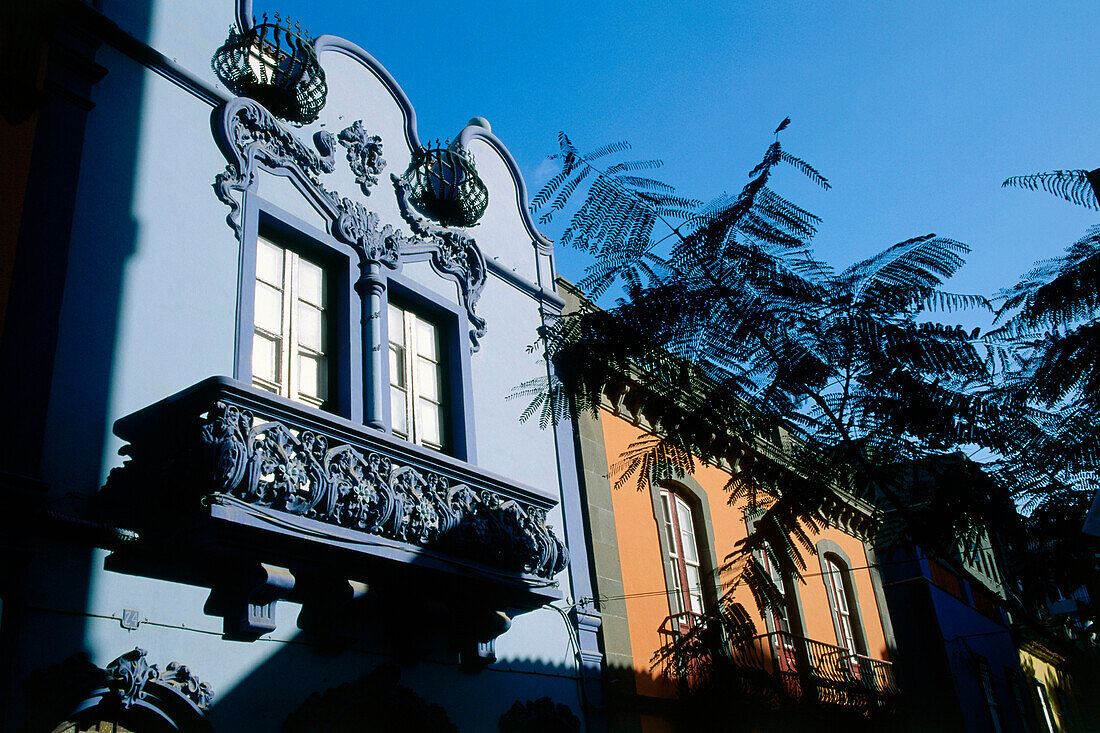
[(269, 465), (129, 674), (251, 137), (364, 155), (180, 677), (360, 228)]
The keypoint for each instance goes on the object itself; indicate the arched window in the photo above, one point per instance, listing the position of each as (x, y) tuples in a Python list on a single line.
[(776, 615), (777, 618), (843, 605), (840, 603), (686, 591)]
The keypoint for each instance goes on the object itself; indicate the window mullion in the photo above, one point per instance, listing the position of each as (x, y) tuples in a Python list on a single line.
[(409, 326), (290, 327)]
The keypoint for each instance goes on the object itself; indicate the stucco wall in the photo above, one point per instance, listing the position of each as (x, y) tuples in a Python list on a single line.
[(151, 306), (1058, 684), (646, 602)]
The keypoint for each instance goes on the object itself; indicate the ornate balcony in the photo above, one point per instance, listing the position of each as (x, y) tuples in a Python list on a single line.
[(774, 666), (240, 478)]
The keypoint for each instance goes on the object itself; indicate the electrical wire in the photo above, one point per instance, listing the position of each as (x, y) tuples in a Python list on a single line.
[(645, 594), (575, 642)]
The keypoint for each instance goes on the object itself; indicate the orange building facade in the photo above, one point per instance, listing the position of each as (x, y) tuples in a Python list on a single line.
[(659, 551)]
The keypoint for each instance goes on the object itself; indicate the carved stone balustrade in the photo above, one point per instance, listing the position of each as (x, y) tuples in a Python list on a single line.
[(240, 478)]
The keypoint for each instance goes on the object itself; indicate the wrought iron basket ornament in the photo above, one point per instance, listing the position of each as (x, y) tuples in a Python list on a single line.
[(277, 66), (444, 185)]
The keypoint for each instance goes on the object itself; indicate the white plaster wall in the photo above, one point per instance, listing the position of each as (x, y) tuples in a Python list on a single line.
[(187, 32), (509, 243), (153, 230), (150, 305)]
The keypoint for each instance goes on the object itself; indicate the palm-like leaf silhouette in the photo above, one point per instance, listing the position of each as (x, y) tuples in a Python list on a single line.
[(1051, 317), (730, 319), (1076, 186)]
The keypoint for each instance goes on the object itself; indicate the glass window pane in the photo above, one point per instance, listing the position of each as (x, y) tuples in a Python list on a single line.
[(426, 340), (691, 554), (269, 308), (670, 535), (396, 323), (687, 532), (269, 263), (427, 380), (836, 578), (695, 584), (397, 367), (311, 287), (848, 642), (676, 597), (398, 416), (311, 332), (265, 358), (428, 423), (312, 376)]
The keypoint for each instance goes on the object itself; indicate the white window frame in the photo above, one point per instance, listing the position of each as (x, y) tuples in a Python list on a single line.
[(1044, 706), (841, 605), (289, 334), (684, 596), (409, 368)]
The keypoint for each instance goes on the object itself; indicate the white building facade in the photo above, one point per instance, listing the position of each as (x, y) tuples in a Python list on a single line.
[(301, 339)]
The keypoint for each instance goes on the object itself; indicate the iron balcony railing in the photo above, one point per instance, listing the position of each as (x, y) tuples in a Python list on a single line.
[(298, 480), (775, 664)]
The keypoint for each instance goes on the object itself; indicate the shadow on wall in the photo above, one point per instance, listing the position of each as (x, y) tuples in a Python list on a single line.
[(81, 169), (306, 687)]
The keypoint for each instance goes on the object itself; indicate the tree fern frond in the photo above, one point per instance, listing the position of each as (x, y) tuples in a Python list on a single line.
[(906, 271), (1064, 290), (605, 150), (1074, 186), (808, 170), (631, 166)]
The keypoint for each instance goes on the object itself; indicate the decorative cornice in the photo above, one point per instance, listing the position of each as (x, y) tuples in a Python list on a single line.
[(652, 412), (479, 129), (364, 155), (250, 135), (252, 138), (122, 40)]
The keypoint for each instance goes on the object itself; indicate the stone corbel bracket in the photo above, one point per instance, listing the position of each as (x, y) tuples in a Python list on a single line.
[(247, 600)]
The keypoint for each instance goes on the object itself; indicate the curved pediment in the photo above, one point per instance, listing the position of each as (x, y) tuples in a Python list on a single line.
[(361, 89)]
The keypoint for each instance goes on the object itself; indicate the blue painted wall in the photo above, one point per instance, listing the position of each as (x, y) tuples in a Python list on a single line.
[(939, 638), (151, 304)]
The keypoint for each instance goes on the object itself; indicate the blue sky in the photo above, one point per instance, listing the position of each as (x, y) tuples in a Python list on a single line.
[(914, 111)]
